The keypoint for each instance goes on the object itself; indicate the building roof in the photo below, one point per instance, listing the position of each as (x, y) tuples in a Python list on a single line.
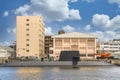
[(75, 35)]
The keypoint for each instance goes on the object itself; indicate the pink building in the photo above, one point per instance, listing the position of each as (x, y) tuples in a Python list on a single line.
[(84, 43)]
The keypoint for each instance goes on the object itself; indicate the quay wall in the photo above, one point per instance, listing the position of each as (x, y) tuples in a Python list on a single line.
[(53, 63)]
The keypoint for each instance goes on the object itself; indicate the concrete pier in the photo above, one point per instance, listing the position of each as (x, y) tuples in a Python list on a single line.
[(54, 64)]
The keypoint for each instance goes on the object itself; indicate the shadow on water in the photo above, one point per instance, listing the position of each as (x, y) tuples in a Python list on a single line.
[(69, 67)]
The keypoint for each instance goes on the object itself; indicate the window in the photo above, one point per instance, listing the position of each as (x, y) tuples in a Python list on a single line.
[(58, 42), (27, 24), (91, 42), (27, 29), (27, 45), (27, 50), (66, 40), (27, 19), (82, 55), (90, 55), (74, 40), (74, 47), (27, 39), (27, 34)]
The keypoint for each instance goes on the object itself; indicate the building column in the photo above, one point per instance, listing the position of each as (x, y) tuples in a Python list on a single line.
[(54, 47), (86, 48), (62, 44)]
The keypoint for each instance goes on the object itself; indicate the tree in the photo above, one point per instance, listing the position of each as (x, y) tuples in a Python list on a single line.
[(61, 32)]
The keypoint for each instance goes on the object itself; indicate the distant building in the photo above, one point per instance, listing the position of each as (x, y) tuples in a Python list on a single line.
[(84, 43), (110, 46), (48, 44), (3, 53), (8, 50), (30, 36)]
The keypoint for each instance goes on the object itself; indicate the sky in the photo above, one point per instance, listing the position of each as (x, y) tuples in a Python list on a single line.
[(96, 17)]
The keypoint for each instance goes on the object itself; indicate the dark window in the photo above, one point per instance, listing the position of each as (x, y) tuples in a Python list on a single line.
[(27, 19), (27, 44), (27, 39), (27, 24), (27, 34), (27, 29), (83, 55), (27, 50), (90, 55)]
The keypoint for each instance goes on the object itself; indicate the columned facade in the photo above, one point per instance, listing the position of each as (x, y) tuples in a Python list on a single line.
[(85, 44)]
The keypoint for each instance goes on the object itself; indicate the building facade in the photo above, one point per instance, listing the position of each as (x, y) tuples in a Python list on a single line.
[(8, 50), (110, 46), (48, 44), (30, 36), (75, 41)]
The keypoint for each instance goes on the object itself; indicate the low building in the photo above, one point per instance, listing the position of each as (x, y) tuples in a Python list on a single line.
[(3, 55), (110, 46), (84, 43), (10, 51)]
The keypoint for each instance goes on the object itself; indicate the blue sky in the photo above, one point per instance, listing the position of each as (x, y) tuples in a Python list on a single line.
[(97, 17)]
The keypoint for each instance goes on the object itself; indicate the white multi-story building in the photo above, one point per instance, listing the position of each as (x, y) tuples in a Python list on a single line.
[(110, 46), (6, 50)]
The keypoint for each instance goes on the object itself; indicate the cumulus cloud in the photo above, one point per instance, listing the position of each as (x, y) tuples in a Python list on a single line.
[(74, 0), (87, 27), (74, 14), (57, 10), (68, 28), (89, 1), (6, 13), (48, 31), (115, 2), (5, 43), (11, 30), (22, 10), (106, 35), (104, 22)]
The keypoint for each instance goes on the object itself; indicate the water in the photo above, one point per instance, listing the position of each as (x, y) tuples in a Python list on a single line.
[(57, 73)]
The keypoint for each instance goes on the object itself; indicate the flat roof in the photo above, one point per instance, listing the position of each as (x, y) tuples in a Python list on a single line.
[(74, 35)]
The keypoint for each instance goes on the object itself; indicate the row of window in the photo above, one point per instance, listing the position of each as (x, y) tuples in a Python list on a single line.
[(27, 29), (76, 47)]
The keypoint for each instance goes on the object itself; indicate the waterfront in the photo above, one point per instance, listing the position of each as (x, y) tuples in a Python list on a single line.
[(60, 73)]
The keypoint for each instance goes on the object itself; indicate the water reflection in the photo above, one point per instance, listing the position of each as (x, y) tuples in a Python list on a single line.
[(57, 73)]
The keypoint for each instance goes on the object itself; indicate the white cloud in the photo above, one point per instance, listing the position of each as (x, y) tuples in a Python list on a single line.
[(104, 22), (5, 43), (11, 30), (6, 13), (74, 0), (48, 31), (68, 28), (115, 1), (22, 10), (89, 1), (74, 14), (57, 10), (106, 35), (87, 27)]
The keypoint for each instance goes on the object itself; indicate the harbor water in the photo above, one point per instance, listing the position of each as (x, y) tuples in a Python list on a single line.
[(60, 73)]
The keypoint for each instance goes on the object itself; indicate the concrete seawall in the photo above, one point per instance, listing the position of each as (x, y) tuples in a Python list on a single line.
[(54, 64)]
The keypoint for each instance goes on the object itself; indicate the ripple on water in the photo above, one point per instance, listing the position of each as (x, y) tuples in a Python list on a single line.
[(56, 73)]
